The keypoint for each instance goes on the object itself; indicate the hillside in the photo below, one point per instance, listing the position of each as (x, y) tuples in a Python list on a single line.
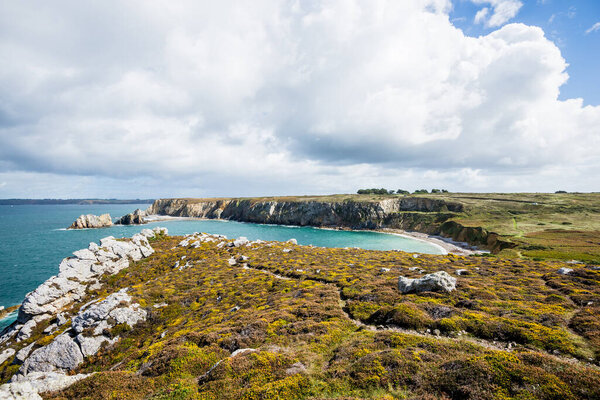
[(541, 226), (204, 317)]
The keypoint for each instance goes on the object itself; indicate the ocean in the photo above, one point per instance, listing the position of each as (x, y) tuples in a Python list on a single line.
[(33, 240)]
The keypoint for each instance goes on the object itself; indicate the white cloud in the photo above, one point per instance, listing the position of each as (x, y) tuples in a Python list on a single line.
[(273, 98), (593, 28), (481, 15), (503, 11)]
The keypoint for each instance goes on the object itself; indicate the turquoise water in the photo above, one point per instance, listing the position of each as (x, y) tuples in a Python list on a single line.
[(33, 240)]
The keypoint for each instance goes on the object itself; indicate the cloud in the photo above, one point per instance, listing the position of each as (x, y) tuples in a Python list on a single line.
[(503, 11), (593, 28), (274, 98)]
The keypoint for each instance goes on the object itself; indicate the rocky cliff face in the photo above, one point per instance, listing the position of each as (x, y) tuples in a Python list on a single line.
[(431, 216), (349, 214)]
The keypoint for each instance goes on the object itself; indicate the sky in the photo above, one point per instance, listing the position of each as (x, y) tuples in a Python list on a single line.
[(149, 99)]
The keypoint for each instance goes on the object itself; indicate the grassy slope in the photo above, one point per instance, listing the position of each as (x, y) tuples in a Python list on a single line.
[(558, 226), (322, 309)]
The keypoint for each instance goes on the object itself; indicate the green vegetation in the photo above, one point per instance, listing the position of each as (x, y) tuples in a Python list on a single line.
[(330, 324), (563, 226)]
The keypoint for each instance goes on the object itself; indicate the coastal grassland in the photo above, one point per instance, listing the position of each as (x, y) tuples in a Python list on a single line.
[(550, 226), (322, 323)]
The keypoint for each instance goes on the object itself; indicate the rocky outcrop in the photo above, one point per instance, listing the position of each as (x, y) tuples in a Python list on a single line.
[(92, 221), (439, 281), (29, 387), (88, 329), (134, 218)]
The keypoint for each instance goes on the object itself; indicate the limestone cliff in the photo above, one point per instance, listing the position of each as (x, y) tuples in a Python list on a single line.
[(422, 214)]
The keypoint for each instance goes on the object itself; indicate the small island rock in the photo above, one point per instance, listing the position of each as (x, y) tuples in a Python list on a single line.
[(92, 221), (134, 218)]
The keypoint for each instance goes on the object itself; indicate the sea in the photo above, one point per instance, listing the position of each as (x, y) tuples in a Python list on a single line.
[(34, 240)]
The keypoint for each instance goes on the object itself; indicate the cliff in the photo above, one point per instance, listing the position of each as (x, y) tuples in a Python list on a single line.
[(420, 214)]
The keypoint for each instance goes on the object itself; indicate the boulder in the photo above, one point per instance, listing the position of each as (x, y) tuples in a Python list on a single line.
[(92, 221), (62, 354), (134, 218), (436, 282), (564, 271)]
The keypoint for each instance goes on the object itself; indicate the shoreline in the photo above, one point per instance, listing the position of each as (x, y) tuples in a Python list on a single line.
[(446, 245)]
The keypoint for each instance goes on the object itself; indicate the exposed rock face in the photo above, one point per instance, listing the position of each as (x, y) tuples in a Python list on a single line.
[(29, 387), (88, 264), (436, 282), (76, 275), (134, 218), (44, 368), (355, 214), (92, 221)]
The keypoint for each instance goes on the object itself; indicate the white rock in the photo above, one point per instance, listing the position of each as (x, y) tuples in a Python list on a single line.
[(40, 382), (19, 391), (240, 241), (91, 344), (6, 354), (462, 272), (292, 241), (62, 354), (564, 271), (438, 281), (23, 353)]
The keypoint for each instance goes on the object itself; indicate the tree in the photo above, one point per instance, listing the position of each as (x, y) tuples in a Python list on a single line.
[(421, 191), (402, 191), (436, 191)]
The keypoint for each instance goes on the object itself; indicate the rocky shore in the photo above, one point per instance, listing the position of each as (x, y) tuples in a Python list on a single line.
[(76, 330)]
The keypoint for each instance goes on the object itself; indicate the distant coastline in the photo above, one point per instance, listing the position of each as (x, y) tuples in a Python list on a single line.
[(14, 202)]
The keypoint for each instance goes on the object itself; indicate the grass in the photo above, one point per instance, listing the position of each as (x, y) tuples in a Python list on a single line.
[(315, 333)]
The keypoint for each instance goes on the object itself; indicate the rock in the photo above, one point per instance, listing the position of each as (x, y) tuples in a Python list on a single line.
[(23, 354), (297, 368), (115, 306), (19, 391), (29, 386), (91, 344), (6, 354), (242, 351), (564, 271), (92, 221), (232, 261), (62, 354), (286, 250), (383, 270), (462, 272), (292, 241), (134, 218), (438, 281), (239, 242)]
